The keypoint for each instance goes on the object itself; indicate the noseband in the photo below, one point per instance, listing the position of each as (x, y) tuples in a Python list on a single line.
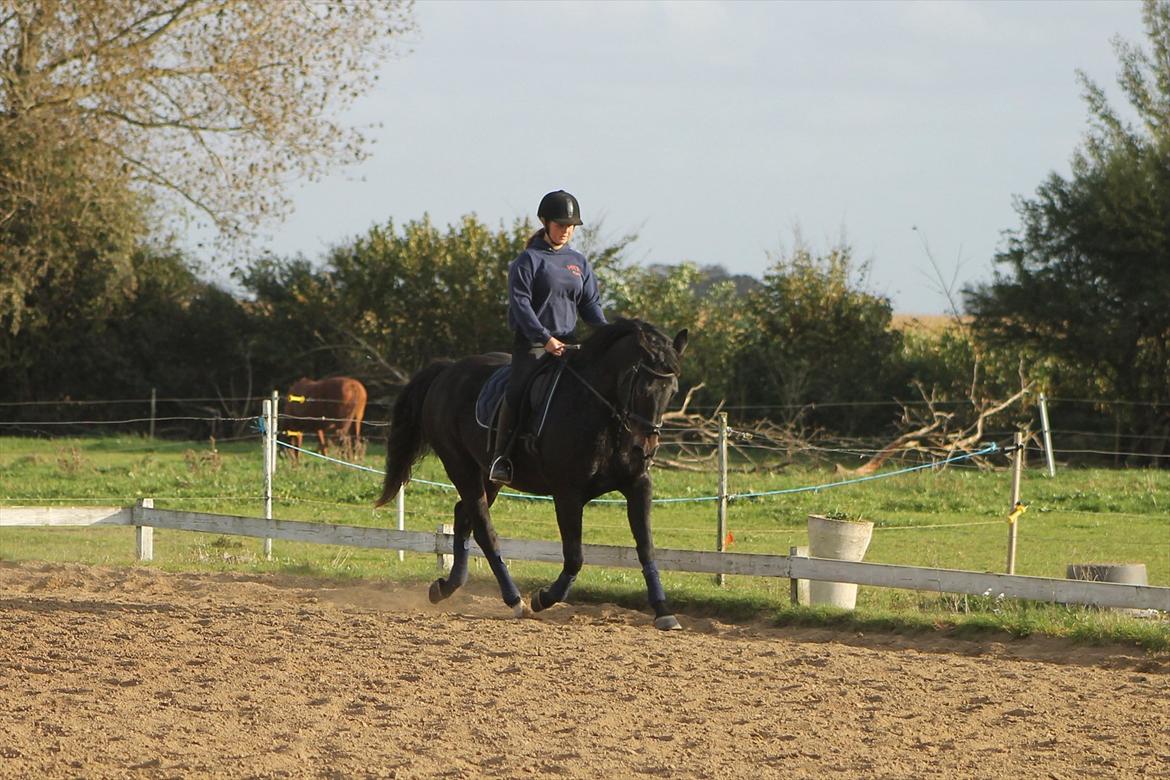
[(623, 414)]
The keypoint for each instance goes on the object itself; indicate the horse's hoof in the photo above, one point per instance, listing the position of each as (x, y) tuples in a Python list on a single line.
[(667, 623), (435, 592), (521, 609), (534, 598)]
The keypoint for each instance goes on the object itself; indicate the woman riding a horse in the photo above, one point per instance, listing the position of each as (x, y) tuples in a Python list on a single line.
[(548, 285), (599, 429)]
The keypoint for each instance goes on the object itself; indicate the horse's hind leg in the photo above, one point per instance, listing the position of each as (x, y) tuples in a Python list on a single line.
[(569, 522), (443, 588), (472, 517), (485, 537)]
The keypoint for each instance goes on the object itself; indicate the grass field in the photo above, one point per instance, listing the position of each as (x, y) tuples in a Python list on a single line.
[(954, 518)]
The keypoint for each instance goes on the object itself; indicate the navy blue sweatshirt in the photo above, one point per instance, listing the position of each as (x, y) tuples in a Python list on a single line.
[(547, 289)]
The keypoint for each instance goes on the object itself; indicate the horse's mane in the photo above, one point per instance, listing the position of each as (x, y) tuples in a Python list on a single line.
[(653, 341)]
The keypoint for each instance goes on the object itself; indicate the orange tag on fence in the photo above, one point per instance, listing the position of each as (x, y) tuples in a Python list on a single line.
[(730, 540)]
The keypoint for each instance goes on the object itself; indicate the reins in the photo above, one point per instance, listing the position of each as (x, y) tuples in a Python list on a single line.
[(623, 415)]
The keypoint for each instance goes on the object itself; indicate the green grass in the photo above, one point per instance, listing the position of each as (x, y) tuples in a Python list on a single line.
[(950, 519)]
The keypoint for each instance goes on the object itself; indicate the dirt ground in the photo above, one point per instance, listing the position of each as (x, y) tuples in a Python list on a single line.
[(143, 674)]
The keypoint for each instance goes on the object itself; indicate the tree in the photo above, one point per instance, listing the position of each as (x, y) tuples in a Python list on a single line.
[(1087, 279), (205, 106), (176, 334), (69, 225), (705, 301), (814, 336), (389, 301)]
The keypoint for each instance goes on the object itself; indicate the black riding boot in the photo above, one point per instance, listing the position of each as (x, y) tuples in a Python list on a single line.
[(501, 470)]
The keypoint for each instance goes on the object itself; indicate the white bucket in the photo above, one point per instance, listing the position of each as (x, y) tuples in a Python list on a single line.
[(843, 540), (1126, 573)]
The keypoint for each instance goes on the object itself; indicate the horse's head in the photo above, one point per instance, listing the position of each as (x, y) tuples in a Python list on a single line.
[(647, 366)]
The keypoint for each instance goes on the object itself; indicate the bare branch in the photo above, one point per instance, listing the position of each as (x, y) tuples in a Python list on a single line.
[(682, 412), (147, 172), (171, 15), (156, 124)]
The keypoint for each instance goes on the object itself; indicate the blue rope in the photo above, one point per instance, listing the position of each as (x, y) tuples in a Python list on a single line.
[(360, 467), (993, 447)]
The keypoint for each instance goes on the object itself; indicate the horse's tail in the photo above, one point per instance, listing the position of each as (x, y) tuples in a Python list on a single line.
[(405, 444)]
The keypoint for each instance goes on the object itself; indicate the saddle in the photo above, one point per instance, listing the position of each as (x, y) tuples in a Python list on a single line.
[(537, 397)]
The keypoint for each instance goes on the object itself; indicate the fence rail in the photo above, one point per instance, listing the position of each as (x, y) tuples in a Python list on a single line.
[(144, 517)]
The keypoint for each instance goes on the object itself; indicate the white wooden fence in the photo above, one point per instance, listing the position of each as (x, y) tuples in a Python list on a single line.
[(145, 518)]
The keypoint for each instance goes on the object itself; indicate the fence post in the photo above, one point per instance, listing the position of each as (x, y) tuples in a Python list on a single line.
[(269, 465), (1017, 470), (401, 499), (444, 561), (798, 589), (275, 427), (153, 409), (721, 516), (144, 534), (1047, 434)]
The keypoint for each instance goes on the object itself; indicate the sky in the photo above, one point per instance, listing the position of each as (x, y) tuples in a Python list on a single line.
[(718, 131)]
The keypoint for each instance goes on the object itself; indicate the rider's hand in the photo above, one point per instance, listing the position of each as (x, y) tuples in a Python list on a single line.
[(554, 346)]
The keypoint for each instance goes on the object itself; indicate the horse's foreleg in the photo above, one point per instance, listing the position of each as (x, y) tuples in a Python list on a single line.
[(569, 521), (321, 438), (638, 512)]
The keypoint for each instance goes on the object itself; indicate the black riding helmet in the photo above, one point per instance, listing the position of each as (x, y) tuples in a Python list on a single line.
[(560, 207)]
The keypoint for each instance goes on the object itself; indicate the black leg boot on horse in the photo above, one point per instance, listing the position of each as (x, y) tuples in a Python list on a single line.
[(501, 468)]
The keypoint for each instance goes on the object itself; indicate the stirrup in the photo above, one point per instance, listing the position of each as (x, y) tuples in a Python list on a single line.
[(501, 470)]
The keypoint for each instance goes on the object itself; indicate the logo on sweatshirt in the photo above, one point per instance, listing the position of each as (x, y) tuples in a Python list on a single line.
[(575, 270)]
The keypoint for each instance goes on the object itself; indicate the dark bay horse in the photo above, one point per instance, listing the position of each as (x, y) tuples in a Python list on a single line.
[(600, 434)]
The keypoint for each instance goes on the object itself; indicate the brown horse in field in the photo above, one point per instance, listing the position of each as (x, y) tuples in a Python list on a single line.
[(335, 404)]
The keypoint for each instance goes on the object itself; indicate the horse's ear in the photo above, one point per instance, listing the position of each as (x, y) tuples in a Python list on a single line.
[(680, 342)]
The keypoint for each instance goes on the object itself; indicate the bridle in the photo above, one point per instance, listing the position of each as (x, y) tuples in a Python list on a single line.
[(622, 415)]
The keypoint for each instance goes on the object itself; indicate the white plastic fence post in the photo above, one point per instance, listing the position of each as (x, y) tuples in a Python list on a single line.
[(269, 466), (144, 534), (275, 426), (721, 516), (1047, 433), (401, 498)]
